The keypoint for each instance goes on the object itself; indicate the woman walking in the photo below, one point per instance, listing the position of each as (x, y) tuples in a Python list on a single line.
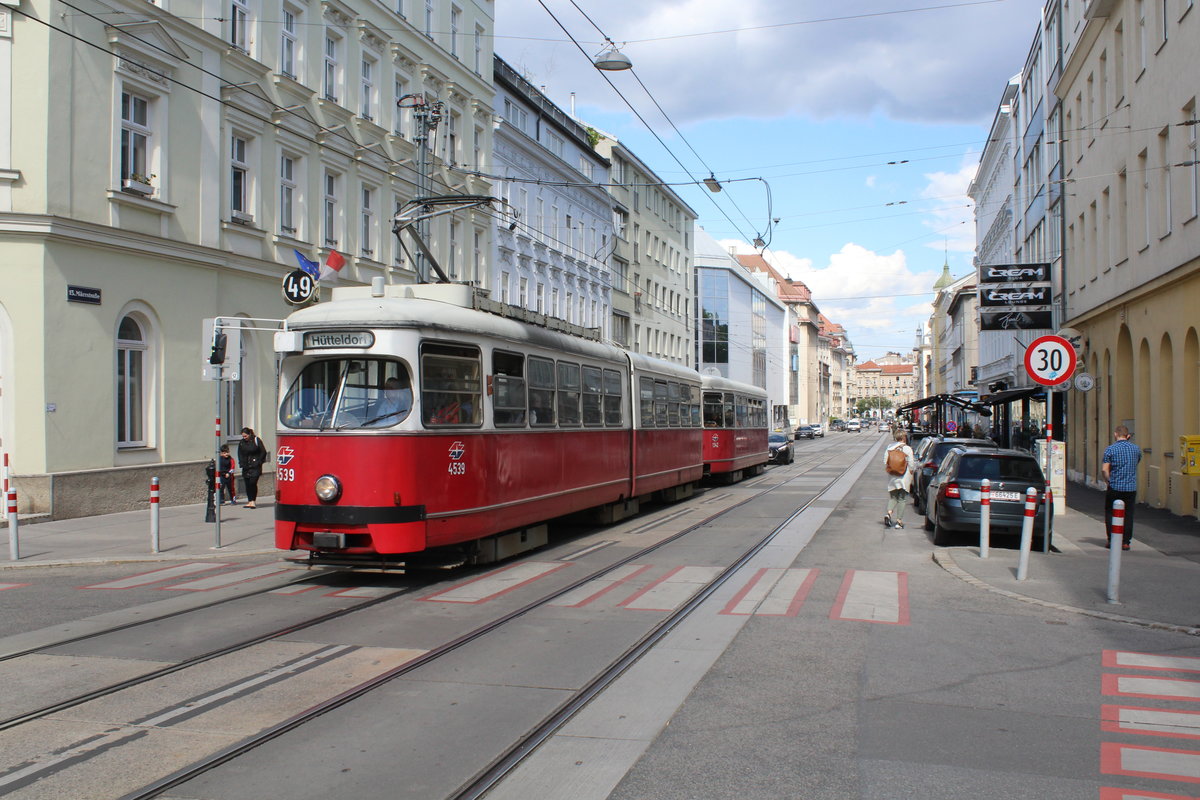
[(251, 454), (898, 462)]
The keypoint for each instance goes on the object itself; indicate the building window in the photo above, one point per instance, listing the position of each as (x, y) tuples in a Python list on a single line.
[(330, 209), (287, 44), (429, 18), (478, 67), (287, 195), (399, 115), (239, 15), (477, 256), (239, 177), (131, 383), (504, 287), (367, 109), (330, 76), (555, 144), (1190, 157), (455, 25), (135, 138), (452, 256), (453, 123), (367, 234)]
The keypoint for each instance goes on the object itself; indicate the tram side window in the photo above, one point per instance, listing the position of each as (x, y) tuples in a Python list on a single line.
[(694, 406), (451, 389), (742, 412), (612, 398), (508, 389), (661, 418), (728, 410), (541, 392), (712, 409), (593, 393), (674, 400), (646, 402), (568, 394), (760, 414)]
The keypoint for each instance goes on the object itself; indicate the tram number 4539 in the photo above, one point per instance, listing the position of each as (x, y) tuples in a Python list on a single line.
[(457, 468), (283, 475)]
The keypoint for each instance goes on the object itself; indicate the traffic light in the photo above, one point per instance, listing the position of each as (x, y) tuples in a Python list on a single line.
[(218, 349)]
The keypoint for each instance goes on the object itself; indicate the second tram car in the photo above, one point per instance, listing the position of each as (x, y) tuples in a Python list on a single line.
[(735, 428), (411, 420)]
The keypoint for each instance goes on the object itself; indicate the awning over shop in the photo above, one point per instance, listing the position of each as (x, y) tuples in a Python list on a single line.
[(947, 399), (999, 398)]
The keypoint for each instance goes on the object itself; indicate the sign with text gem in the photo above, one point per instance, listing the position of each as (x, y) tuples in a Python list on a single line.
[(1015, 273), (1014, 296), (1050, 360)]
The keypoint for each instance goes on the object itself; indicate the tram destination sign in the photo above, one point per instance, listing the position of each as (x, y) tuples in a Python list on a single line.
[(325, 340), (1023, 320), (1015, 296), (1015, 273)]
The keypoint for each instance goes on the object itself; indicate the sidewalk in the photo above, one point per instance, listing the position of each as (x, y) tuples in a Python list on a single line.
[(183, 534), (1160, 576)]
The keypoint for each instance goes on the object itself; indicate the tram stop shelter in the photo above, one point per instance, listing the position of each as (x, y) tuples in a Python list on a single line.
[(947, 413)]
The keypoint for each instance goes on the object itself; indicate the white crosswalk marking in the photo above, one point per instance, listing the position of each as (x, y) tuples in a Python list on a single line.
[(154, 576), (871, 596), (673, 590), (495, 583), (229, 578), (594, 589)]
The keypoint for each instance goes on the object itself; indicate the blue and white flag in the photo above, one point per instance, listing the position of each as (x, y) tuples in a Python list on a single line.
[(311, 267)]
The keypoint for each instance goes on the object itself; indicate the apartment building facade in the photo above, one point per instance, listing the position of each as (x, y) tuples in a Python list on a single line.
[(162, 168)]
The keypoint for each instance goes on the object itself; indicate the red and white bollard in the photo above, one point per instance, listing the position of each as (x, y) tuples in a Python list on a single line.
[(5, 474), (14, 546), (985, 517), (1115, 540), (154, 515), (1027, 532)]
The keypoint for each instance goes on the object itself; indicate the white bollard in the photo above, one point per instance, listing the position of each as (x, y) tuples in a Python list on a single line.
[(1114, 550), (1027, 532), (14, 545), (985, 517), (154, 515)]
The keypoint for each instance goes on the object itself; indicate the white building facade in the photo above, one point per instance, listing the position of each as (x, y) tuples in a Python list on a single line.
[(554, 243), (162, 171)]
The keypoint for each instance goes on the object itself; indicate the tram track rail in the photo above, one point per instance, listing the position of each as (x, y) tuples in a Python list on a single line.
[(499, 767)]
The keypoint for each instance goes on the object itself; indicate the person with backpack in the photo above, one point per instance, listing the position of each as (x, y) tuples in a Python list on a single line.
[(252, 453), (898, 462)]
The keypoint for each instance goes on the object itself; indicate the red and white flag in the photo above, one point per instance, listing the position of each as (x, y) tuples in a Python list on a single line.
[(333, 264)]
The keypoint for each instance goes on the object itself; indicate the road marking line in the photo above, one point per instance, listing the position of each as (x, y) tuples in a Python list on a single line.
[(672, 590), (773, 592), (154, 576), (594, 589), (363, 592), (872, 596), (1113, 793), (1129, 660), (1150, 721), (586, 550), (494, 584), (1142, 686), (227, 579), (4, 586), (295, 588), (1149, 762)]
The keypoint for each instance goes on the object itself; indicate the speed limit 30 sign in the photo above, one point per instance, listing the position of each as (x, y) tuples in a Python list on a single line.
[(1050, 360)]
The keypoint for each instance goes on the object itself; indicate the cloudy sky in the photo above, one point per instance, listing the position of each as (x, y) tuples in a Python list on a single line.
[(865, 119)]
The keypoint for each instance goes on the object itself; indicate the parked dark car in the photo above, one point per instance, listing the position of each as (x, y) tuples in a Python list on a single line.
[(952, 499), (805, 432), (779, 449), (929, 454)]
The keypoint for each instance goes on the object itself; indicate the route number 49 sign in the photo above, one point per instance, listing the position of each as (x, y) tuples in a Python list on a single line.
[(1050, 360)]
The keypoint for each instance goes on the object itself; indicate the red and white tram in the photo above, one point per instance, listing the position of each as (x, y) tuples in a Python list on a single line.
[(735, 428), (411, 420)]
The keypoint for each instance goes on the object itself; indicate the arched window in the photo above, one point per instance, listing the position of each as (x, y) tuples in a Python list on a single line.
[(131, 384)]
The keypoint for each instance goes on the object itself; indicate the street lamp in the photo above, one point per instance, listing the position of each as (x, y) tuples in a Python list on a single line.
[(612, 60), (712, 183)]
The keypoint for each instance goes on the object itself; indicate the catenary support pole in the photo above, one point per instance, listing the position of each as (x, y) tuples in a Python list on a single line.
[(1115, 539), (217, 469), (1027, 533), (154, 514), (985, 517)]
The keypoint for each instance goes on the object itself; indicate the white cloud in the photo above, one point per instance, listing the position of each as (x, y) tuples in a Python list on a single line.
[(940, 65), (876, 297), (953, 214)]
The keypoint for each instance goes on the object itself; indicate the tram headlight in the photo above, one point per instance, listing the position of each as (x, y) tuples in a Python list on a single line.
[(328, 488)]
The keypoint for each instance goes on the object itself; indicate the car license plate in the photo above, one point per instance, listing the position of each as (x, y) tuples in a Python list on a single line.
[(1006, 495)]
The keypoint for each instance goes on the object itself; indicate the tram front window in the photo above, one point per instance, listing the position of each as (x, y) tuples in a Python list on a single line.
[(348, 393)]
